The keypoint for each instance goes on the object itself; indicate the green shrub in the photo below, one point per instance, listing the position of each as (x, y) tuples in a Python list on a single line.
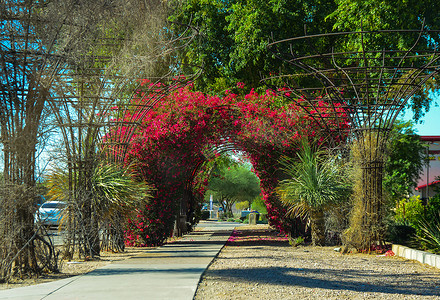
[(231, 220), (433, 208), (263, 222), (205, 215), (296, 241), (259, 205), (400, 234), (417, 225), (242, 205), (409, 211)]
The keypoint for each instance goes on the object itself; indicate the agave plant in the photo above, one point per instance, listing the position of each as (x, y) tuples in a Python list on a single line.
[(315, 182)]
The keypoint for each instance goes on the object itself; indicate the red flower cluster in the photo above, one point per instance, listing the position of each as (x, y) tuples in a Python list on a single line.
[(172, 143)]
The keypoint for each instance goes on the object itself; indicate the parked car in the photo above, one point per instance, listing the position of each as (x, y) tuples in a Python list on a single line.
[(245, 213), (39, 200), (50, 213)]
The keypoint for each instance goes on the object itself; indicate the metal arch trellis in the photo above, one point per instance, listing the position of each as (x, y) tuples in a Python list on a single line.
[(371, 85), (30, 57), (370, 101), (225, 143), (89, 107), (188, 203), (87, 124), (102, 98), (217, 145), (58, 58)]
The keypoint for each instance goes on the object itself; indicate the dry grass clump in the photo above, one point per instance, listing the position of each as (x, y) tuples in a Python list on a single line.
[(367, 215)]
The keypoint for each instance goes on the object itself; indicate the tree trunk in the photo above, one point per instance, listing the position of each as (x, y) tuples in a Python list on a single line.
[(228, 211), (317, 226)]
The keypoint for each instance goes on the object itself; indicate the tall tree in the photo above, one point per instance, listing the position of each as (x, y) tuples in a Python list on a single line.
[(232, 182), (44, 45), (124, 42), (234, 35), (356, 15), (30, 58)]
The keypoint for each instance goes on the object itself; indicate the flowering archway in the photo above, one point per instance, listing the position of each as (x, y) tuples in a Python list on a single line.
[(183, 131)]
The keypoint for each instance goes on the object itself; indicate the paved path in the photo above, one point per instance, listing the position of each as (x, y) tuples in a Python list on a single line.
[(172, 271)]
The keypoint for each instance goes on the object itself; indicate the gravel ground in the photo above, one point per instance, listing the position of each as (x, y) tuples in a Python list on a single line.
[(257, 264)]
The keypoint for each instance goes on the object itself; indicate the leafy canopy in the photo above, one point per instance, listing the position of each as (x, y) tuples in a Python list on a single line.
[(234, 35)]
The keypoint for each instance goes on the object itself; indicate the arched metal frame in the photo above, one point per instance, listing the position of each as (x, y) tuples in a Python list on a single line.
[(90, 107), (371, 85), (62, 59)]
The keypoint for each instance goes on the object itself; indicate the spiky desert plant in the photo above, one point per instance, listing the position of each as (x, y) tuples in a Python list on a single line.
[(315, 182), (115, 193), (429, 234), (115, 188)]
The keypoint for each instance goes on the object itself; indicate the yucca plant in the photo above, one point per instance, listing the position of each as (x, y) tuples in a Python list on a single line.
[(115, 193), (115, 189), (428, 234), (315, 182)]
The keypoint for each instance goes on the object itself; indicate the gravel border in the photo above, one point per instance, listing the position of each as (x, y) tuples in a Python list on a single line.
[(258, 264)]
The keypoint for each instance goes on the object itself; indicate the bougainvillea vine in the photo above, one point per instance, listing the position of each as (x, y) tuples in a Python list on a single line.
[(176, 133)]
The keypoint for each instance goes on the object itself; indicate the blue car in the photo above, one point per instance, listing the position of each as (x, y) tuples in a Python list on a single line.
[(50, 213)]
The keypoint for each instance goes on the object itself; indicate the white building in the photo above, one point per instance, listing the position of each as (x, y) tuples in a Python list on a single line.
[(428, 181)]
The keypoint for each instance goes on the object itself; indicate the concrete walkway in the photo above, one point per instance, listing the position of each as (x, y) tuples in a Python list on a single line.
[(172, 271)]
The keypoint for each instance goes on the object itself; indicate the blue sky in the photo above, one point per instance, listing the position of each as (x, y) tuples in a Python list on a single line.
[(430, 122)]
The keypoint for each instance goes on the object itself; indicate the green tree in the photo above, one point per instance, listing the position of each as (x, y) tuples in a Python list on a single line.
[(406, 157), (315, 182), (259, 205), (385, 14), (235, 34), (356, 15), (409, 211), (231, 183)]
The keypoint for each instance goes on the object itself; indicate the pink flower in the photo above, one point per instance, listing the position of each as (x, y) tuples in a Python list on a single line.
[(175, 132), (240, 85)]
